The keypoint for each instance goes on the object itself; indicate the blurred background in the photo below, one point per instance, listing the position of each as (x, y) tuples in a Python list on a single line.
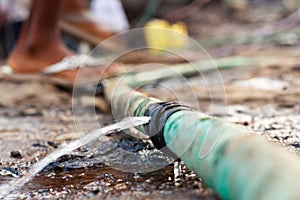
[(213, 23)]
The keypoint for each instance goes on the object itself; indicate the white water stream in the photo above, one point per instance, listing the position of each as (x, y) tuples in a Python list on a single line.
[(15, 184)]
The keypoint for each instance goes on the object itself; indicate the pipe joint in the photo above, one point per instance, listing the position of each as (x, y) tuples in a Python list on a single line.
[(159, 113)]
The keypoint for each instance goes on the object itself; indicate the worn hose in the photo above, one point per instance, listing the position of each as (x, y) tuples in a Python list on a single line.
[(232, 160)]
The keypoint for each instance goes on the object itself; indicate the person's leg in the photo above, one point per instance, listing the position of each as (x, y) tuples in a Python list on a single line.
[(77, 20), (40, 43), (74, 6)]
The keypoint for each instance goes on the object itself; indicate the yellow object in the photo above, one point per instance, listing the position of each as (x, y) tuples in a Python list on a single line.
[(161, 35), (177, 40)]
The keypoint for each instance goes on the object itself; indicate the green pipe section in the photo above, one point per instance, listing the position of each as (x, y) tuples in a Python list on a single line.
[(232, 160), (125, 101), (189, 69)]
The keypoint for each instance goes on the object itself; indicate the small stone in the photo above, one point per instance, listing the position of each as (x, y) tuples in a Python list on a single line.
[(120, 186), (296, 68), (52, 144), (39, 145), (149, 180), (95, 192), (51, 175), (67, 176), (9, 171), (82, 174), (296, 145), (43, 190), (31, 112), (119, 180), (136, 176), (15, 154)]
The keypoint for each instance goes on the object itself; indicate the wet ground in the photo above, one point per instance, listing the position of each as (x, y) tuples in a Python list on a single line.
[(36, 119), (33, 124), (29, 132)]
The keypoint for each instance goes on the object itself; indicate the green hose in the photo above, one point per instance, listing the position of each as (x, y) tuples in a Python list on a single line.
[(241, 165), (232, 160), (149, 12)]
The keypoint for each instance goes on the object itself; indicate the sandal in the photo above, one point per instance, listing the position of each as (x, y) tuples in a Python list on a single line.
[(94, 69)]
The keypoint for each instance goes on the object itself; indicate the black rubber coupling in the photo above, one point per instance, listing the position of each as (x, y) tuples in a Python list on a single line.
[(159, 113)]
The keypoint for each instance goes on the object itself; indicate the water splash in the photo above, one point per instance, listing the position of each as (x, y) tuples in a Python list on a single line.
[(126, 123)]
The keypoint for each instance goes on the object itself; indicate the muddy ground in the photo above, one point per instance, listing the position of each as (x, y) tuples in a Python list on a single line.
[(36, 119)]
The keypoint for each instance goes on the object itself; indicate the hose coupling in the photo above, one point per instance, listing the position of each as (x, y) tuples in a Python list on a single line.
[(159, 113)]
